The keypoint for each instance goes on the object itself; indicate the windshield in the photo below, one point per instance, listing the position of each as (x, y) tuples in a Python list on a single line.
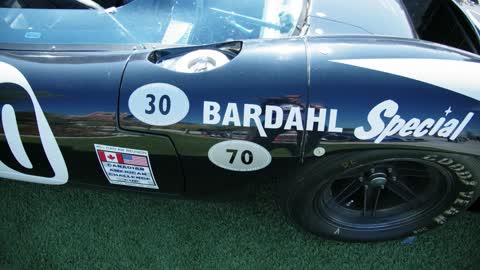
[(146, 21), (472, 8)]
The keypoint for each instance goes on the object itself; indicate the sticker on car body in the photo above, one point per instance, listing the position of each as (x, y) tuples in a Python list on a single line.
[(126, 167), (159, 104), (241, 156)]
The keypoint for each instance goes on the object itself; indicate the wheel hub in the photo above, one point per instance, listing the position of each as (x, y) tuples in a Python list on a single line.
[(378, 179)]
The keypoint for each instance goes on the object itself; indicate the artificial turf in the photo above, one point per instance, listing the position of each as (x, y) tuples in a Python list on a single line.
[(44, 227)]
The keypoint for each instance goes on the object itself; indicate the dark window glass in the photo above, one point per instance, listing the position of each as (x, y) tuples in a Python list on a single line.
[(441, 22)]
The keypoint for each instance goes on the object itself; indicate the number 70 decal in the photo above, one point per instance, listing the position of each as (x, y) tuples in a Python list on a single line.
[(240, 156), (246, 158)]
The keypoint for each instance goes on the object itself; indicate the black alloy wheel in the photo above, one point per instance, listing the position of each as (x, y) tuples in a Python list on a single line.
[(379, 195), (384, 194)]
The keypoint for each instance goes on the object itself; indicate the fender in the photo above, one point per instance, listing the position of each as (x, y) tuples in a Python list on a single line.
[(393, 92)]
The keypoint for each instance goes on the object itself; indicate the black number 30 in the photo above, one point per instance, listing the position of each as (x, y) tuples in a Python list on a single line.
[(164, 105)]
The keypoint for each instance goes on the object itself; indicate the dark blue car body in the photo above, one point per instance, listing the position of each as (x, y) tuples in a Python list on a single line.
[(334, 69), (83, 89)]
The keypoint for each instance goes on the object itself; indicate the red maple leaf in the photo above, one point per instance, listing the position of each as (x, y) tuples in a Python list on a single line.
[(112, 157)]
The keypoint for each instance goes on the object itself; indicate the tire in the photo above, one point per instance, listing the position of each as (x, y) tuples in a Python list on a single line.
[(379, 194), (475, 206)]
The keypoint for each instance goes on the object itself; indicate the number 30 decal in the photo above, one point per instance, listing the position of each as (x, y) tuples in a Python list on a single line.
[(159, 104), (163, 105), (240, 156)]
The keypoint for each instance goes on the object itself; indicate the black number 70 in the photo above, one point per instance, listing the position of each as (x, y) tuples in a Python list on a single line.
[(246, 156)]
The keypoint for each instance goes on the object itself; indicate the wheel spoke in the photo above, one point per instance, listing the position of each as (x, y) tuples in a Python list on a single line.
[(405, 187), (416, 175), (401, 190), (409, 169), (405, 172), (351, 175), (346, 193), (365, 195), (376, 201)]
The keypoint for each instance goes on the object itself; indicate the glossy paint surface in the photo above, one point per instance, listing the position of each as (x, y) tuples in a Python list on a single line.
[(355, 91), (87, 97), (266, 72), (78, 94)]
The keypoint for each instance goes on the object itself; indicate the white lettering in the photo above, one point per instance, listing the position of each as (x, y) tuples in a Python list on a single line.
[(319, 120), (253, 112), (294, 119), (332, 123), (448, 129), (374, 118), (211, 114), (409, 127), (270, 111), (379, 127), (422, 129), (462, 126), (231, 115), (401, 127)]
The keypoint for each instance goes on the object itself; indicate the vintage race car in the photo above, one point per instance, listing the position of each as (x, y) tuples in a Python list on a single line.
[(367, 115)]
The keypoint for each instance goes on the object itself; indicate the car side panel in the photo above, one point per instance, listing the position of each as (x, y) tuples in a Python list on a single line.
[(77, 93), (265, 72), (420, 82)]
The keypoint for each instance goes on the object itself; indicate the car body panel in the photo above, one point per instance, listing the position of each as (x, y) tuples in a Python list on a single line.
[(81, 97), (355, 90), (264, 82), (258, 73), (78, 94)]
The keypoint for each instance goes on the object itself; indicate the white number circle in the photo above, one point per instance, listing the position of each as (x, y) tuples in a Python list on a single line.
[(239, 156), (159, 104)]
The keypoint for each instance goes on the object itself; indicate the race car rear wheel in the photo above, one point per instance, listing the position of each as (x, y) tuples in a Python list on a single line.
[(379, 195)]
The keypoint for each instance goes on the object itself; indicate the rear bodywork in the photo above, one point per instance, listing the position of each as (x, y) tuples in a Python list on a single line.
[(374, 86)]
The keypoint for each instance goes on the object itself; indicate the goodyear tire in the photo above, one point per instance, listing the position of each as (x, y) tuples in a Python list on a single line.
[(381, 194), (475, 206)]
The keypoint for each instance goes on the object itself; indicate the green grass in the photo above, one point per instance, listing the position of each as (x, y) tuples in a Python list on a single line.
[(45, 227)]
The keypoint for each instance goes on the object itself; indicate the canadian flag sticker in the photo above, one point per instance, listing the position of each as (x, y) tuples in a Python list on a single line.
[(110, 156)]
